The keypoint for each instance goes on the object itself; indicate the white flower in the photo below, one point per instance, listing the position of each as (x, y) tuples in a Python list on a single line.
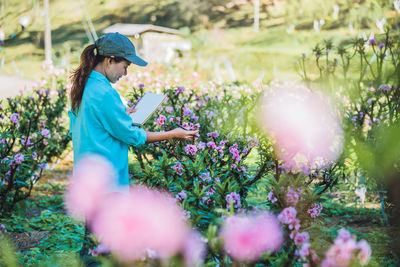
[(318, 25), (396, 4), (335, 11), (380, 24), (290, 29)]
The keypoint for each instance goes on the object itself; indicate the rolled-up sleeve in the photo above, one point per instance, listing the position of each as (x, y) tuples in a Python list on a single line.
[(72, 118), (112, 115)]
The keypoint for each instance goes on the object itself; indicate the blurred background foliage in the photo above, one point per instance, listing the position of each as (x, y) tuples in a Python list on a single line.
[(219, 30)]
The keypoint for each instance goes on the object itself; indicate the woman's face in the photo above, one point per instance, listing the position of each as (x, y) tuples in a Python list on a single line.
[(115, 70)]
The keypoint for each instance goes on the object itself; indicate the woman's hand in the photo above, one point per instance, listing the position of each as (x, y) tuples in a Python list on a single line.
[(131, 110), (177, 133), (181, 134)]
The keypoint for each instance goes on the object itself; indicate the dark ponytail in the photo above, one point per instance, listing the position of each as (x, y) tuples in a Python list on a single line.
[(80, 76)]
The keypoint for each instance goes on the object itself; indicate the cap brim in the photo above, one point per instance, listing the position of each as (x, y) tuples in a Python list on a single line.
[(136, 60)]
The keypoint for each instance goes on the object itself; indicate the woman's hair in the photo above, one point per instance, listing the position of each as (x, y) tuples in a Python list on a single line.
[(79, 77)]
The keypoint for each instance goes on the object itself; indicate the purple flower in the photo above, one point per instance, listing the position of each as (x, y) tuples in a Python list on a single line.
[(178, 168), (1, 107), (141, 85), (169, 109), (15, 117), (233, 198), (190, 149), (381, 45), (372, 41), (187, 112), (201, 145), (194, 118), (46, 133), (18, 158), (179, 90), (220, 150), (213, 134), (385, 87), (205, 176), (181, 195), (42, 165), (223, 142)]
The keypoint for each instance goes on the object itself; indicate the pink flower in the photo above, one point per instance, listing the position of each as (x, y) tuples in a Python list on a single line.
[(235, 153), (271, 196), (190, 149), (169, 109), (305, 250), (246, 238), (287, 215), (194, 249), (365, 252), (253, 142), (46, 133), (344, 235), (292, 197), (143, 220), (343, 250), (315, 210), (211, 144), (304, 126), (301, 238), (90, 182), (295, 224), (161, 120)]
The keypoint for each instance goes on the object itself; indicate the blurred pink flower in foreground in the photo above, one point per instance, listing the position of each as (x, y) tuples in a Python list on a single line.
[(90, 182), (343, 251), (145, 219), (304, 126), (247, 237), (194, 250)]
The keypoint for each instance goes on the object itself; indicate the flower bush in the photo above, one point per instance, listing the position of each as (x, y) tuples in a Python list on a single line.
[(33, 133), (210, 172)]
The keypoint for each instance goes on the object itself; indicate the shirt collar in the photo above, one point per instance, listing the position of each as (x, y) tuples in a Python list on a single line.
[(97, 75)]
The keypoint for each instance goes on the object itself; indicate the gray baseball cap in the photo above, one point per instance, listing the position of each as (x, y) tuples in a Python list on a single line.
[(118, 45)]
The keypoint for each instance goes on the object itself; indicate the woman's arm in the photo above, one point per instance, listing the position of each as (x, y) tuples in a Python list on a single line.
[(176, 133)]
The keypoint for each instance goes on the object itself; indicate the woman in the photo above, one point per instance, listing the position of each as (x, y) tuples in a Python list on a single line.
[(99, 122)]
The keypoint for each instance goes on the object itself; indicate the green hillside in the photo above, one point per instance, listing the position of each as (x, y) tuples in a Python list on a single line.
[(221, 32)]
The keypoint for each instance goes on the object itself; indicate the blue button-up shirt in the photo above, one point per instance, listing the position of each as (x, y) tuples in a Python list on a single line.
[(101, 126)]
